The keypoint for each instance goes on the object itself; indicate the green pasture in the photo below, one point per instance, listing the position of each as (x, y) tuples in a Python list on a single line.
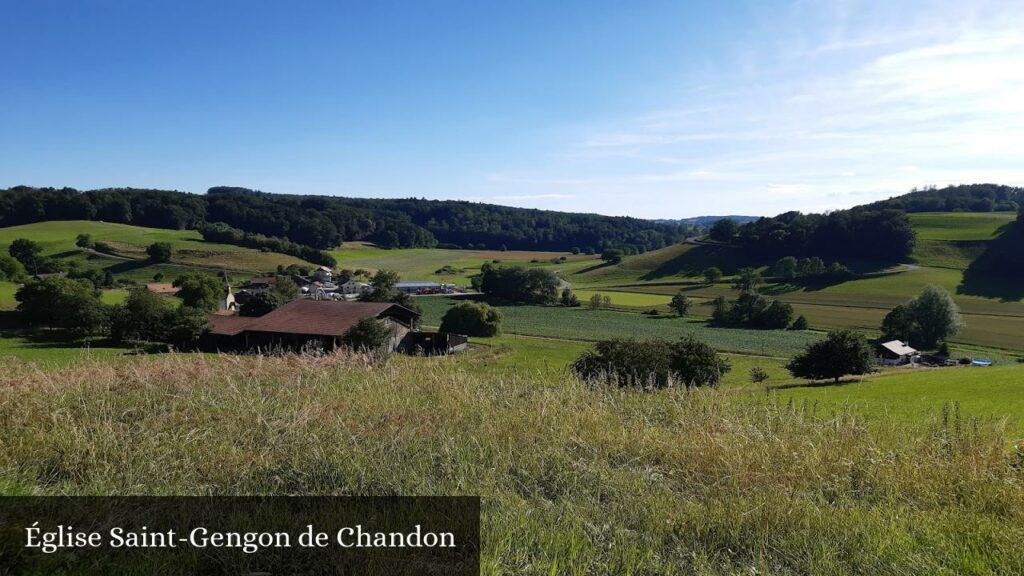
[(915, 394), (960, 225), (46, 350), (584, 324), (129, 242), (424, 263)]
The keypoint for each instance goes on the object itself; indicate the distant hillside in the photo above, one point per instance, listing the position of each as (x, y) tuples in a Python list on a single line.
[(323, 222), (962, 198), (707, 221)]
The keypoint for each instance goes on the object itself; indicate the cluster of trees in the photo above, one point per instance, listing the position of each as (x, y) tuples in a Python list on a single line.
[(857, 233), (961, 198), (323, 222), (224, 234), (924, 322), (472, 319), (29, 254), (518, 284), (789, 268), (652, 363), (750, 309), (74, 305)]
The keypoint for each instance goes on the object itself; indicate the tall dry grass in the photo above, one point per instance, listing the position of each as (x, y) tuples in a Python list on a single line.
[(575, 479)]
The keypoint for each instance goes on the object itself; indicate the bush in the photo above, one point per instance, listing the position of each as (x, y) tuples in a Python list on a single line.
[(472, 319), (651, 363), (800, 323), (368, 335), (159, 252), (712, 274)]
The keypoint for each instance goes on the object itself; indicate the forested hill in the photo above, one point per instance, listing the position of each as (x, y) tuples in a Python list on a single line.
[(326, 221), (962, 198)]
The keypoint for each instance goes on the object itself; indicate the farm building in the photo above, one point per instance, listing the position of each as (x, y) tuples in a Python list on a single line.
[(307, 323), (896, 353)]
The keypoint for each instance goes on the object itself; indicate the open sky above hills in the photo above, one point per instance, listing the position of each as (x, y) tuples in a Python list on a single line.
[(657, 109)]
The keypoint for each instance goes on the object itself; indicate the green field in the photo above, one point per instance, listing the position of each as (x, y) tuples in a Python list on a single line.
[(129, 243), (49, 352), (424, 263), (960, 225), (584, 324)]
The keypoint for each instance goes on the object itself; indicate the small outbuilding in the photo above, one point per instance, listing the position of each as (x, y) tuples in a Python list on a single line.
[(896, 353)]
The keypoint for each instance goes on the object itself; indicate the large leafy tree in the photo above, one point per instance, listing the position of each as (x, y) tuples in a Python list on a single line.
[(680, 303), (63, 303), (472, 319), (924, 321), (652, 363), (200, 291), (842, 352), (518, 284), (159, 251)]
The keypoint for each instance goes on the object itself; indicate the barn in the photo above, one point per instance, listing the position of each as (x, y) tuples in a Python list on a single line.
[(306, 324)]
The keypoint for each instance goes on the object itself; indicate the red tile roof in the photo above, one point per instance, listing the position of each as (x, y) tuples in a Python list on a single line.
[(312, 317)]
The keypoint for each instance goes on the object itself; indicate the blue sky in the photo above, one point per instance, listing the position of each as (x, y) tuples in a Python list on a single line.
[(652, 109)]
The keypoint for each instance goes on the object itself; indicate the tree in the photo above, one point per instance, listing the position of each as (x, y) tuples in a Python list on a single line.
[(84, 241), (185, 326), (368, 335), (612, 256), (936, 315), (568, 299), (899, 324), (712, 274), (27, 252), (842, 352), (694, 363), (924, 321), (11, 269), (71, 304), (518, 284), (758, 375), (285, 290), (800, 323), (259, 304), (383, 282), (159, 251), (472, 319), (724, 230), (747, 280), (680, 304), (200, 291), (784, 268), (143, 317), (595, 302)]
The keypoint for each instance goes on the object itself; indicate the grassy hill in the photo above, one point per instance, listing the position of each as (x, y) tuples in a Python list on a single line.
[(128, 258), (955, 239)]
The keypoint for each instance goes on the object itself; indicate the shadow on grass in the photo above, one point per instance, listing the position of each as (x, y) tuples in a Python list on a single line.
[(999, 271)]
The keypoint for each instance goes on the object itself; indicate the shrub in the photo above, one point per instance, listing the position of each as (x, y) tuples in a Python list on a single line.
[(159, 251), (368, 335), (712, 274), (800, 323), (472, 319), (651, 363)]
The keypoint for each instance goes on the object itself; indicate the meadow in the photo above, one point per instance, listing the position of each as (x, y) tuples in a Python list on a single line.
[(575, 479), (591, 325), (128, 259)]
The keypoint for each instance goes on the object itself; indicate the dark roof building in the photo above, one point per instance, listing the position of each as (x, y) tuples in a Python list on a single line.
[(303, 323)]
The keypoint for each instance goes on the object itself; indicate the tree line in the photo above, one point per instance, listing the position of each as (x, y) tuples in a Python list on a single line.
[(324, 222)]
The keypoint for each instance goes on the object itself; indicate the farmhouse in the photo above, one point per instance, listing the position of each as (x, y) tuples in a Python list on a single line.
[(307, 323), (895, 353)]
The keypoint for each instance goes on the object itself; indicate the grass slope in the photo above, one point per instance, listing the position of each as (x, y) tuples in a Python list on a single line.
[(58, 239), (574, 479)]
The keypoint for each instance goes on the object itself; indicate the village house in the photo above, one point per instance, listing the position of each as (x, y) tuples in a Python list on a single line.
[(896, 353), (353, 288), (323, 274)]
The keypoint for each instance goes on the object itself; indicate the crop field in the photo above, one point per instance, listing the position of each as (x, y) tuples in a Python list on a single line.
[(58, 239), (583, 324), (627, 299), (424, 263)]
